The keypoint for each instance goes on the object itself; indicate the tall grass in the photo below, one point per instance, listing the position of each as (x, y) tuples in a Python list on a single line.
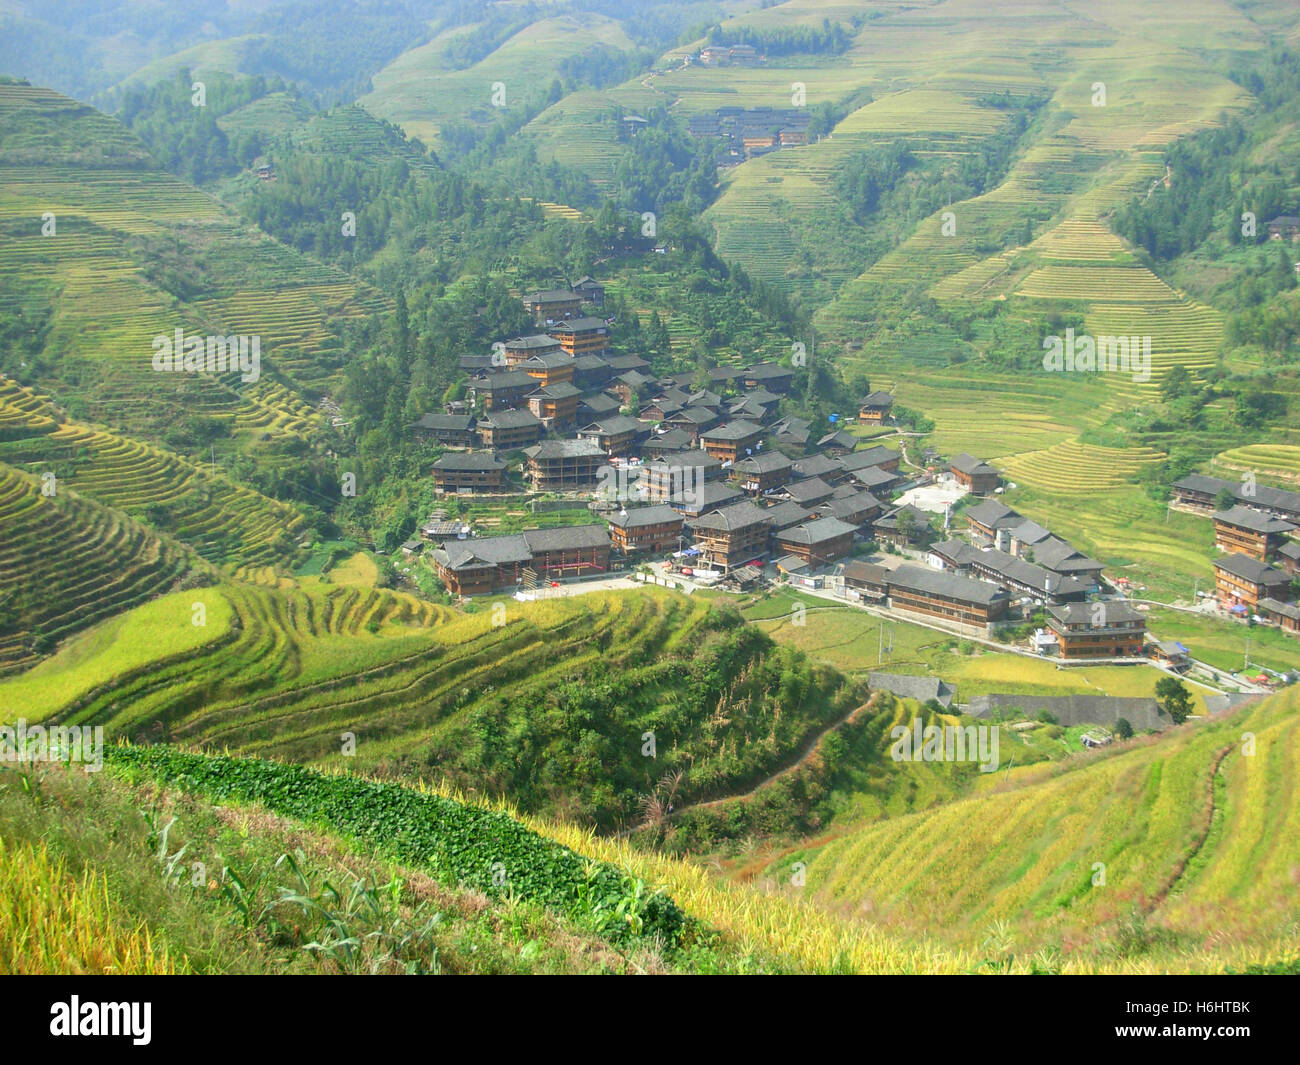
[(53, 922)]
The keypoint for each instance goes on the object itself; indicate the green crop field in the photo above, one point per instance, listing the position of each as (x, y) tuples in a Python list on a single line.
[(1185, 851)]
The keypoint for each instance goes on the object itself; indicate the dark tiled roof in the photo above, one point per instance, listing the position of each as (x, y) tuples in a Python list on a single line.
[(558, 390), (969, 464), (946, 585), (565, 449), (1115, 612), (817, 465), (566, 538), (578, 325), (727, 519), (487, 550), (766, 462), (638, 517), (509, 419), (816, 532), (993, 514), (1245, 518), (532, 342), (876, 399), (922, 689), (614, 426), (509, 379), (809, 490), (872, 456), (1250, 569), (457, 422), (740, 430), (457, 461)]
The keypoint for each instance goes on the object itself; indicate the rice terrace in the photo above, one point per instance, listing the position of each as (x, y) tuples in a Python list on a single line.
[(651, 487)]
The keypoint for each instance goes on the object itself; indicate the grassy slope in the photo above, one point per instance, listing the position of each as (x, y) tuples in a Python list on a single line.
[(1197, 837), (85, 892)]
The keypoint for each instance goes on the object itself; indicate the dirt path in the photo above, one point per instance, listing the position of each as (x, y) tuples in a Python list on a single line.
[(805, 752)]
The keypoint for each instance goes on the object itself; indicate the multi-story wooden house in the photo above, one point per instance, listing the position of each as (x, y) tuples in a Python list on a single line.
[(732, 441), (564, 465), (1113, 629), (469, 471), (552, 305), (552, 368), (555, 405), (873, 408), (921, 590), (653, 529), (618, 435), (501, 390), (583, 336), (1241, 582), (762, 472), (454, 430), (1250, 532), (818, 542), (509, 430), (974, 474), (517, 349), (732, 536)]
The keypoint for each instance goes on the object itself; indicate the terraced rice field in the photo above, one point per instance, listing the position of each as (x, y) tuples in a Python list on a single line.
[(1191, 831), (418, 683), (67, 563), (1074, 468), (95, 275), (221, 520), (1272, 460)]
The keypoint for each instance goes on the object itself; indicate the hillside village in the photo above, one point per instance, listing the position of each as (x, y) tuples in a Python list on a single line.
[(720, 487)]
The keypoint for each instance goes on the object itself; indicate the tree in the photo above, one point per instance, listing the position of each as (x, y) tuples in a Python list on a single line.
[(1174, 698), (1123, 729), (1225, 500), (906, 524)]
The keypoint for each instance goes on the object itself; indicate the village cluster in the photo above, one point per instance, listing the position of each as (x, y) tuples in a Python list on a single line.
[(718, 485)]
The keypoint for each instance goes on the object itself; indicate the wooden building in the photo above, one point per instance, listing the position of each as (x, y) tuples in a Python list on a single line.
[(454, 430), (502, 390), (552, 305), (555, 405), (873, 409), (762, 472), (731, 536), (1098, 630), (564, 465), (618, 435), (509, 430), (732, 441), (973, 474), (517, 349), (583, 336), (653, 529), (1250, 533), (1285, 616), (551, 368), (1241, 581), (920, 590), (818, 542), (469, 471)]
